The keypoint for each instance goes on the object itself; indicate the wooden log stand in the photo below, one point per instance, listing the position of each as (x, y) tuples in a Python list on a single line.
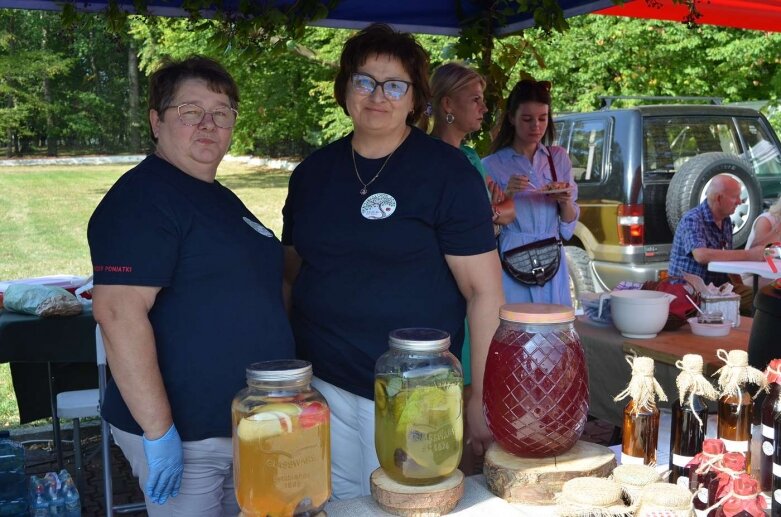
[(535, 481), (417, 501)]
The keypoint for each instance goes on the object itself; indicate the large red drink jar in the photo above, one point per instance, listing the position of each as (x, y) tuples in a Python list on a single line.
[(535, 391)]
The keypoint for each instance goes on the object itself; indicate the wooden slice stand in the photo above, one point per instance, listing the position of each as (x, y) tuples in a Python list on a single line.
[(535, 481), (417, 501)]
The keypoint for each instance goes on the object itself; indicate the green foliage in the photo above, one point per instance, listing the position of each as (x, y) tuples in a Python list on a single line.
[(63, 84)]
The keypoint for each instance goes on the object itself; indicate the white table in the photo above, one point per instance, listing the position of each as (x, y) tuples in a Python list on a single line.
[(739, 267), (746, 266)]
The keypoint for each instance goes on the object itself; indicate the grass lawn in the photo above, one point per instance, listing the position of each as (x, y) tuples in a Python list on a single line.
[(43, 223)]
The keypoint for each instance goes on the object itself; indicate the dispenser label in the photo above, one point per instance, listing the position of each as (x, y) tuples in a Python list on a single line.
[(626, 459), (736, 446), (683, 482), (767, 432), (777, 495), (681, 461), (767, 448), (777, 470)]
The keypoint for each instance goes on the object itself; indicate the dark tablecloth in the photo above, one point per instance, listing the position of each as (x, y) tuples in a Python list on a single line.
[(29, 343), (609, 373)]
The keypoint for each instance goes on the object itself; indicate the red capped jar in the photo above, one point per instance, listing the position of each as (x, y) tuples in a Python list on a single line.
[(535, 390)]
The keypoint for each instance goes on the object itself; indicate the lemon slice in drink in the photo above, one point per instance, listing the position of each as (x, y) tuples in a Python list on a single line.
[(291, 410), (264, 425)]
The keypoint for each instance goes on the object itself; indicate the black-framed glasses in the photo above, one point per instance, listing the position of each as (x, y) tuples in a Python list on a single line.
[(192, 115), (393, 89)]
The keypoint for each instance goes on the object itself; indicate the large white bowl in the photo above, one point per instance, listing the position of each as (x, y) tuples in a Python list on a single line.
[(638, 313), (709, 329)]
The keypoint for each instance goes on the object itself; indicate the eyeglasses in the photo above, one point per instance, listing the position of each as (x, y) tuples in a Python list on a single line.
[(192, 115), (394, 89)]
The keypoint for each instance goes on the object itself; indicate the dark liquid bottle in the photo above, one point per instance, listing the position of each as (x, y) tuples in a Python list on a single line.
[(770, 408), (734, 427), (705, 483), (686, 437), (640, 434), (775, 494)]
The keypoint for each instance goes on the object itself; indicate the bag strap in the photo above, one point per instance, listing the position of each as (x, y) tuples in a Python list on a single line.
[(553, 174), (552, 168)]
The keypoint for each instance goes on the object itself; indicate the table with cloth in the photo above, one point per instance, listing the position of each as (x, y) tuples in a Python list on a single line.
[(609, 373), (47, 356)]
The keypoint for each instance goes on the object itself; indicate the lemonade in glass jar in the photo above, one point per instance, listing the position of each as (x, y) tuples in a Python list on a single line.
[(418, 407), (281, 442)]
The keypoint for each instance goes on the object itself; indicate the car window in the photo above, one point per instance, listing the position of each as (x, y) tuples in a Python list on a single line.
[(762, 151), (669, 142), (585, 143)]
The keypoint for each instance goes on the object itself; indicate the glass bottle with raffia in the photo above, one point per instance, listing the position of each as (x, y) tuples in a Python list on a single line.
[(689, 417), (640, 432), (771, 407), (735, 403)]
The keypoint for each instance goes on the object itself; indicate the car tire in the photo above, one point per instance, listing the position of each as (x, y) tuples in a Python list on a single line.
[(687, 189), (579, 269)]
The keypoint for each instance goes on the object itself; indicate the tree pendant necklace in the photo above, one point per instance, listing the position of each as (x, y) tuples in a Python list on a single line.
[(364, 190)]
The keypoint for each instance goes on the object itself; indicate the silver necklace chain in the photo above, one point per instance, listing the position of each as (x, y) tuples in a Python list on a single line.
[(364, 190)]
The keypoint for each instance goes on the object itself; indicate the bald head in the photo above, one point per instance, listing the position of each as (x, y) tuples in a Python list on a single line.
[(723, 195), (721, 184)]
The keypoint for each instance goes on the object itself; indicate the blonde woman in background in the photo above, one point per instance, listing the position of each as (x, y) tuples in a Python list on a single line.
[(457, 107), (766, 228)]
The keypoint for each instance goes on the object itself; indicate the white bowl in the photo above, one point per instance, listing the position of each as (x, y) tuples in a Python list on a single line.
[(709, 329), (638, 313)]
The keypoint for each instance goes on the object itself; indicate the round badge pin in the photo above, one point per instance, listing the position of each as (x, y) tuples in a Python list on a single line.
[(378, 206)]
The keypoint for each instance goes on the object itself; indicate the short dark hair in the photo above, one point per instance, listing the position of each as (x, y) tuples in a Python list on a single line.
[(165, 81), (527, 90), (381, 40)]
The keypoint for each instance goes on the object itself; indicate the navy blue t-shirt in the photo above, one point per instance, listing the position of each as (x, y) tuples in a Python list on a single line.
[(220, 307), (374, 263)]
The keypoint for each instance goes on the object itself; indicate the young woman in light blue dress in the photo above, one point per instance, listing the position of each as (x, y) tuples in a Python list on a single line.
[(521, 164)]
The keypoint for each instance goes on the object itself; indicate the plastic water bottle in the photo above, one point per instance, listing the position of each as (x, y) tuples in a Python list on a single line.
[(70, 495), (13, 492), (56, 501), (39, 505)]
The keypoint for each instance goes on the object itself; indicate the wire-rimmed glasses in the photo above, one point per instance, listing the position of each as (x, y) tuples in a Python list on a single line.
[(192, 115)]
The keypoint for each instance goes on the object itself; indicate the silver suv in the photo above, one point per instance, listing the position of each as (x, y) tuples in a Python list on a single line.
[(640, 169)]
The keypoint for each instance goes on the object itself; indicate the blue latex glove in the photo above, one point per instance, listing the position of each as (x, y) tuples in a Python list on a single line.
[(165, 459)]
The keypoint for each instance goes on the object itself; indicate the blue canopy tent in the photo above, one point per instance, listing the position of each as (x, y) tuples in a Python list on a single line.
[(419, 16)]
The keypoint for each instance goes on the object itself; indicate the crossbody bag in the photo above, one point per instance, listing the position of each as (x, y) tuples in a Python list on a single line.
[(537, 262)]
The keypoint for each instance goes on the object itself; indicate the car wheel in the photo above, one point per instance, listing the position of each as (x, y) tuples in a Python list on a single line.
[(579, 269), (688, 186)]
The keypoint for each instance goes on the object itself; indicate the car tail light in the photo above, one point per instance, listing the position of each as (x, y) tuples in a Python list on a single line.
[(631, 225)]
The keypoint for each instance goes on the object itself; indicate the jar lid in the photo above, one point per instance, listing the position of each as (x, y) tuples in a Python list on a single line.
[(537, 313), (419, 340), (280, 370)]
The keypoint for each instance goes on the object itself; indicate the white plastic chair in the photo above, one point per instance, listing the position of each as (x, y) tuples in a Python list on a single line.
[(86, 403)]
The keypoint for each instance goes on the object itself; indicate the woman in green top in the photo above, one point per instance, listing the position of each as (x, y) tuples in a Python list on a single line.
[(457, 107)]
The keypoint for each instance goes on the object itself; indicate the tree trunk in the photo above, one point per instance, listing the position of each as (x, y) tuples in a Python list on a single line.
[(134, 124), (51, 139)]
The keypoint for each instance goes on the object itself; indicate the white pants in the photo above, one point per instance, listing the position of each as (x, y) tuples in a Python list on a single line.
[(207, 481), (353, 457)]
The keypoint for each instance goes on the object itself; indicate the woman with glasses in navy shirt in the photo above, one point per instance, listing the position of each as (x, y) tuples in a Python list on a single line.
[(385, 228)]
